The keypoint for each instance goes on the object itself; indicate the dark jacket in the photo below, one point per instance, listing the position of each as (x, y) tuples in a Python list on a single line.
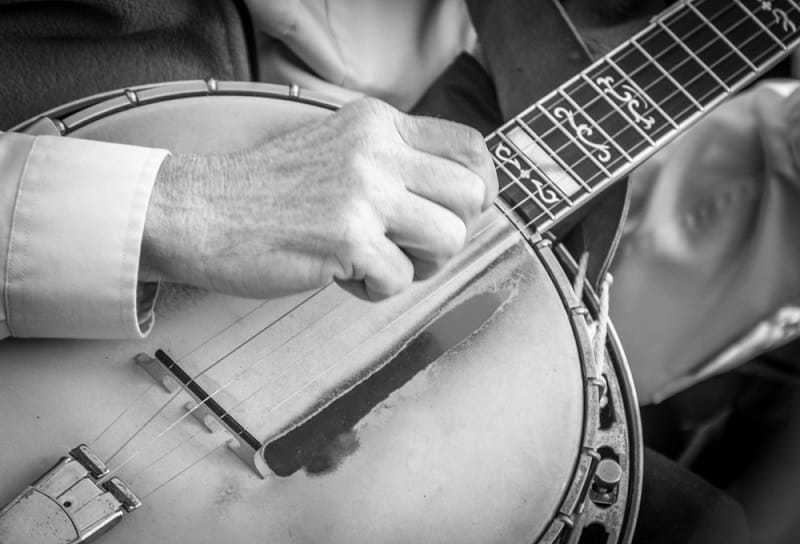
[(54, 52)]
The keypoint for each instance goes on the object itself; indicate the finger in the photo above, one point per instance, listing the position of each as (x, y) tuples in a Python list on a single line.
[(425, 268), (382, 266), (456, 142), (424, 229), (443, 182)]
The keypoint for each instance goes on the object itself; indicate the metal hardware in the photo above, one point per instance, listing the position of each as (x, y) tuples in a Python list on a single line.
[(608, 475), (204, 415), (211, 85), (605, 484), (294, 90), (62, 128), (69, 504), (123, 494), (601, 383), (160, 375), (45, 126), (566, 520), (579, 310), (573, 502), (88, 459), (132, 97), (205, 409)]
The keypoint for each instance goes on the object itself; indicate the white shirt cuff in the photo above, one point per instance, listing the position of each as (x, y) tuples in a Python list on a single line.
[(76, 234)]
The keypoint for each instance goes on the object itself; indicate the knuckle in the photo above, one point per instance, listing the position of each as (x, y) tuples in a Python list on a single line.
[(474, 140), (406, 277), (368, 132), (354, 231), (453, 239), (466, 198), (475, 196), (355, 160), (473, 147), (367, 113), (394, 280), (362, 169)]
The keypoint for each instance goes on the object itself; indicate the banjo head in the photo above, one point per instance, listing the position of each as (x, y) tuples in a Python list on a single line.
[(459, 411)]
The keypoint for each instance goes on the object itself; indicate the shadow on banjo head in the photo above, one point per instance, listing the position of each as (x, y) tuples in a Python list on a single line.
[(323, 442), (459, 411)]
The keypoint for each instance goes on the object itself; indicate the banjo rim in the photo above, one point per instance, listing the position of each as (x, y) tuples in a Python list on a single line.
[(577, 509)]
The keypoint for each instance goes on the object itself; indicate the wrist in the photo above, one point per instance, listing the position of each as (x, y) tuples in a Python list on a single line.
[(168, 238)]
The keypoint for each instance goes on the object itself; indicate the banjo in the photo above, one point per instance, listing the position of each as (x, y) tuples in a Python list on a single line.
[(477, 406)]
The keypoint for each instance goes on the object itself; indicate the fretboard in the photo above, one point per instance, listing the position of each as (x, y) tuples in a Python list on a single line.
[(590, 132)]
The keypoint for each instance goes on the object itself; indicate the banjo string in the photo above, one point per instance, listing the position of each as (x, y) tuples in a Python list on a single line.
[(149, 389), (456, 276), (151, 442), (196, 376), (424, 299)]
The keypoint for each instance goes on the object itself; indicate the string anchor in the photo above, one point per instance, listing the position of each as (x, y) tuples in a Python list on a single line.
[(71, 503)]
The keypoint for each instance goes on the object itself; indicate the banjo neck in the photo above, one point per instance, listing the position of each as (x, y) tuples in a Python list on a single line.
[(559, 153)]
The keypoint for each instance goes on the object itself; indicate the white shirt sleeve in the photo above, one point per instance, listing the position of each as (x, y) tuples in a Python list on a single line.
[(72, 216)]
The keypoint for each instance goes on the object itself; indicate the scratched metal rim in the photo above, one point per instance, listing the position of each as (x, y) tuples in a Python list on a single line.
[(620, 380), (74, 115)]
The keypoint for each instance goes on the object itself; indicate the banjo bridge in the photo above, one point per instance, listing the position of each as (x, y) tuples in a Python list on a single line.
[(205, 409)]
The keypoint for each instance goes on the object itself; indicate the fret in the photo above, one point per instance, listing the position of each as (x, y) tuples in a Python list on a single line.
[(677, 104), (552, 138), (525, 209), (541, 225), (573, 152), (604, 121), (722, 36), (638, 124), (781, 17), (630, 92), (593, 104), (749, 14), (522, 204), (526, 181), (519, 214), (549, 161), (645, 140), (684, 70), (705, 67), (514, 195), (611, 140), (579, 134), (549, 195), (538, 159), (646, 122), (726, 63), (751, 37)]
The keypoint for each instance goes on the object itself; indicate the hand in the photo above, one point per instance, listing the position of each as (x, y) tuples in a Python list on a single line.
[(366, 194)]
